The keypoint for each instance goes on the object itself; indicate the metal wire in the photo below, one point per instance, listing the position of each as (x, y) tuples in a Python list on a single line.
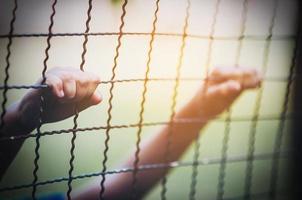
[(227, 130), (117, 53), (37, 148), (174, 98), (7, 60), (194, 175), (20, 87), (72, 148), (176, 164), (72, 156), (278, 139), (192, 194), (86, 36), (76, 116), (187, 120), (44, 86), (254, 123), (142, 105), (203, 37), (250, 158)]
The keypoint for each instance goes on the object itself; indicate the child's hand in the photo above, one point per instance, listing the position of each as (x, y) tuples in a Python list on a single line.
[(223, 86), (69, 87)]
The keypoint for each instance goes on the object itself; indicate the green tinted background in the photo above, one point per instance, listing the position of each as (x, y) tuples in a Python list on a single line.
[(26, 66)]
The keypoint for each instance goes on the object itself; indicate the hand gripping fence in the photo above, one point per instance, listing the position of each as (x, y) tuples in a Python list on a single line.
[(198, 160)]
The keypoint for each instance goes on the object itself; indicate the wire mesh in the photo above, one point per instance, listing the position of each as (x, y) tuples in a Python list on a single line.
[(76, 116), (207, 65), (281, 126), (227, 130), (8, 47), (174, 98), (45, 64), (117, 53), (222, 161), (253, 128), (142, 109)]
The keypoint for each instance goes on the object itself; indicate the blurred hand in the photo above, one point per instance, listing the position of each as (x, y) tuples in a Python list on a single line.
[(223, 86), (68, 88)]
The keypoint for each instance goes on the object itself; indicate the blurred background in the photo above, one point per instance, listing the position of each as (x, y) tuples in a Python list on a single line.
[(27, 63)]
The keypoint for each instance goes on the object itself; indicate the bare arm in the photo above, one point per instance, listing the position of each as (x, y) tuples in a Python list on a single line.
[(68, 87), (223, 87)]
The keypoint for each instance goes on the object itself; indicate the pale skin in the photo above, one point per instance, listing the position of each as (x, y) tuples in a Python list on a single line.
[(70, 87)]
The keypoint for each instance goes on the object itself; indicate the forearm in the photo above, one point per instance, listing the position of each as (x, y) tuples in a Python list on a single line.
[(224, 85), (12, 127), (67, 88), (152, 151), (180, 133)]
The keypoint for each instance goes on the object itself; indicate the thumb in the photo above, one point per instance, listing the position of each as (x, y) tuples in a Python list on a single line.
[(226, 90), (221, 96), (94, 99)]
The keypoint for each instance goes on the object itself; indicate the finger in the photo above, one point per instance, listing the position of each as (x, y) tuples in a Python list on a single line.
[(93, 83), (94, 99), (56, 85), (253, 79), (82, 86), (248, 77), (69, 87), (228, 90), (217, 98), (220, 74), (75, 71), (90, 81), (86, 85)]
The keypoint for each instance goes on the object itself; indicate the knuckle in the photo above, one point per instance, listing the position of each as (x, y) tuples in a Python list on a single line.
[(50, 79), (83, 81), (216, 71), (70, 94), (66, 76), (223, 92), (91, 77), (238, 72)]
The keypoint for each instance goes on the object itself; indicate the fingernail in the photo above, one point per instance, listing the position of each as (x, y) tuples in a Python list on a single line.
[(100, 96), (236, 86), (96, 98), (61, 94)]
